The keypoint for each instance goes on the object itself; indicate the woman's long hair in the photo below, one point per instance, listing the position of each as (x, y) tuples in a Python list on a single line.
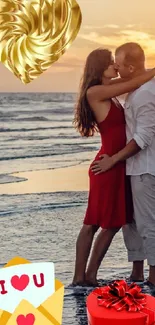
[(97, 62)]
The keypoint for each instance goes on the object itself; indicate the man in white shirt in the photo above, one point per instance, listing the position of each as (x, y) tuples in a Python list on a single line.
[(139, 236)]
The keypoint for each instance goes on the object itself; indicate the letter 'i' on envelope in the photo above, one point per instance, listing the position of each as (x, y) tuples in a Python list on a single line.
[(48, 313)]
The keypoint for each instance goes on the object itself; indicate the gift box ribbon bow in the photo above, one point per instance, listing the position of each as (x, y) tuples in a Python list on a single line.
[(122, 296)]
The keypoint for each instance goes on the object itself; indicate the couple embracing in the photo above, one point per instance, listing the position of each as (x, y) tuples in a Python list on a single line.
[(122, 175)]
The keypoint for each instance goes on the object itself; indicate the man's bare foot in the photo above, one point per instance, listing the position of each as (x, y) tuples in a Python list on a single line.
[(150, 284), (137, 274), (151, 281), (151, 277), (135, 280), (136, 277)]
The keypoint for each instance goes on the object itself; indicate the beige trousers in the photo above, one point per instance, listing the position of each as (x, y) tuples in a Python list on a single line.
[(139, 237)]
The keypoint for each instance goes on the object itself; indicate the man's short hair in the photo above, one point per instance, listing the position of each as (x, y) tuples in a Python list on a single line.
[(134, 54)]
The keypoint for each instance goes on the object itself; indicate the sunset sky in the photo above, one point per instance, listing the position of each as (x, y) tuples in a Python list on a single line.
[(107, 24)]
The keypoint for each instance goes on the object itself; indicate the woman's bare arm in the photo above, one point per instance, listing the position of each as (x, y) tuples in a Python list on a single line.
[(104, 92), (118, 81)]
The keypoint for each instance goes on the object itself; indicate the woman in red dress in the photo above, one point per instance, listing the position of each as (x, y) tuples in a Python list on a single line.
[(110, 200)]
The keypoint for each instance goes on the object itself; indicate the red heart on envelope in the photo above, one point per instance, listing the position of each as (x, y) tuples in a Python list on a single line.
[(20, 282), (29, 319)]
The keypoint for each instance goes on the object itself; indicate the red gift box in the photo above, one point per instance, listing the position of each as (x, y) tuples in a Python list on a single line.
[(120, 304)]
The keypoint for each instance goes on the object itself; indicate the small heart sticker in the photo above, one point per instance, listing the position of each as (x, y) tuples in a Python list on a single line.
[(36, 33), (20, 283), (29, 319)]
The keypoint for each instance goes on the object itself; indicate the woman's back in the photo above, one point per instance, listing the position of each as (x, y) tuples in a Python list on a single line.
[(112, 130)]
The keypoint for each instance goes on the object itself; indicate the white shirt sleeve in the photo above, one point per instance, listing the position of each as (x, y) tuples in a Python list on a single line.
[(144, 105)]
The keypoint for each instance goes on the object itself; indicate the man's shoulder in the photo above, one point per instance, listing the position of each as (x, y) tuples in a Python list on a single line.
[(148, 86), (144, 93)]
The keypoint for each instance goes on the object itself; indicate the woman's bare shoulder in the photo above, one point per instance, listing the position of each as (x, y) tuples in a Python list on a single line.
[(90, 91)]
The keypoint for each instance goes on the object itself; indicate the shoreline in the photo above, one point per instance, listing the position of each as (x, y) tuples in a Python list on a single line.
[(74, 178)]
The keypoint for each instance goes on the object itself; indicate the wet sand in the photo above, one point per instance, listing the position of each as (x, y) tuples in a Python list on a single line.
[(55, 180)]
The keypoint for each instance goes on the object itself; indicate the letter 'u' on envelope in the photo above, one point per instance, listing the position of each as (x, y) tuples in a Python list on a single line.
[(48, 313)]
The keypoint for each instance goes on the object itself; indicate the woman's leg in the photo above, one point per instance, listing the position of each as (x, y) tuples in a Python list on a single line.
[(101, 246), (83, 247)]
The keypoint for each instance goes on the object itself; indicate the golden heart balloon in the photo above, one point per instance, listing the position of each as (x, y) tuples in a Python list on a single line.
[(35, 33)]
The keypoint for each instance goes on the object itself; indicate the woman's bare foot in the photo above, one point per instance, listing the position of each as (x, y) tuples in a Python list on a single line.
[(78, 284), (87, 282), (92, 283), (91, 280), (78, 281)]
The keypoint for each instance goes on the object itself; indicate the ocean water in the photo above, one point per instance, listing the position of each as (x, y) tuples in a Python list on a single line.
[(36, 133)]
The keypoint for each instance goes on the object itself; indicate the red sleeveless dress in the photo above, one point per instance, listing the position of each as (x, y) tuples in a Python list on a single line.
[(110, 199)]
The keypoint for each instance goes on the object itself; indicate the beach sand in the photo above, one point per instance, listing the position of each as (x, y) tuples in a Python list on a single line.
[(73, 178)]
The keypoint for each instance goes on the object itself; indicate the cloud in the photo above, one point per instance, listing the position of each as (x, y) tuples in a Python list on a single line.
[(59, 69), (65, 64), (130, 26), (89, 39), (146, 40), (112, 26), (90, 27), (99, 39), (134, 34)]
